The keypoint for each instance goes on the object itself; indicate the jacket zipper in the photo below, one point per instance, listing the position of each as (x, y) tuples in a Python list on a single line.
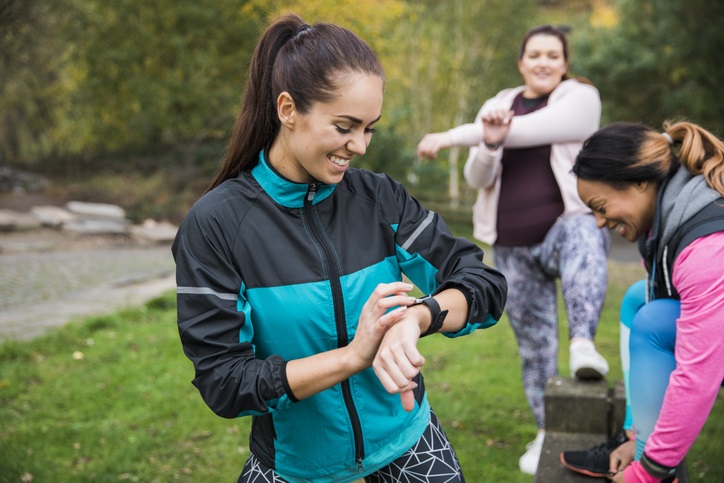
[(338, 302)]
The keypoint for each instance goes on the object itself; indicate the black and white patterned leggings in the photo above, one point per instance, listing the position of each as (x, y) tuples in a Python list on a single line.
[(430, 460), (574, 251)]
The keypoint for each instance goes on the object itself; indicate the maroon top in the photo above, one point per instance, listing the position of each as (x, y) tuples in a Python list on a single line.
[(530, 200)]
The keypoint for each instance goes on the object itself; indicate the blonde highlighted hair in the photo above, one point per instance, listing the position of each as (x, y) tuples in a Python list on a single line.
[(623, 154), (700, 153)]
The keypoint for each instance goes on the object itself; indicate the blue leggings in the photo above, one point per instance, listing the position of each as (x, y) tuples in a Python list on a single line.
[(648, 335)]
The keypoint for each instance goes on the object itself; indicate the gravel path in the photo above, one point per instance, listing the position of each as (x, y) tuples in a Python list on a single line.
[(48, 278)]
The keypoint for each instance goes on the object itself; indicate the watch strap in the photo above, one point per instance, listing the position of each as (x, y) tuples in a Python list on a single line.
[(656, 469), (437, 315)]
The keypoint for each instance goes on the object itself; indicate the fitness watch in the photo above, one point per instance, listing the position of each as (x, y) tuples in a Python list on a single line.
[(438, 316)]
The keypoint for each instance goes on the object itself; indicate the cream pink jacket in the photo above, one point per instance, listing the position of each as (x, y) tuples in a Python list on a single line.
[(572, 114)]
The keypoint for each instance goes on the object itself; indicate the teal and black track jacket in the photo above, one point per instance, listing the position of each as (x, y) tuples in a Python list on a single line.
[(270, 271)]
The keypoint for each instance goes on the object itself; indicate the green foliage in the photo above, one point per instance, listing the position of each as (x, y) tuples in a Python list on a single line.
[(449, 58), (88, 84), (154, 73), (30, 59), (662, 60), (131, 77), (456, 55), (109, 399)]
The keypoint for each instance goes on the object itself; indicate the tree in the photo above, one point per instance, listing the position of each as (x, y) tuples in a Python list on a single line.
[(29, 60), (144, 74), (453, 56), (661, 60)]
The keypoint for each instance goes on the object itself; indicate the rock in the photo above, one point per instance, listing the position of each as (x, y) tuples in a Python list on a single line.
[(88, 226), (52, 216), (15, 221), (85, 218), (154, 231), (99, 210), (96, 219)]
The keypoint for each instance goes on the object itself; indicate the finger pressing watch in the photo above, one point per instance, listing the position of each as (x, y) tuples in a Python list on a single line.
[(438, 316)]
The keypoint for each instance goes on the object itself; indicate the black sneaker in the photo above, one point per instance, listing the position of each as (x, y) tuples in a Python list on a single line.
[(595, 461)]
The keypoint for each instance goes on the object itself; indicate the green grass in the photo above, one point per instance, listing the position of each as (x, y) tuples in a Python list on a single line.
[(109, 399)]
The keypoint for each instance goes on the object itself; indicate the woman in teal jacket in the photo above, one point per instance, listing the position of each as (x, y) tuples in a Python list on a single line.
[(291, 303)]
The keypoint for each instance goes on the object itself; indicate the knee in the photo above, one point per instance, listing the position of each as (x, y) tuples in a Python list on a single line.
[(656, 321), (633, 300)]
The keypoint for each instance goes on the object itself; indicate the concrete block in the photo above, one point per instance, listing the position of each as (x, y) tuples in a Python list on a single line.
[(617, 407), (550, 469), (573, 406)]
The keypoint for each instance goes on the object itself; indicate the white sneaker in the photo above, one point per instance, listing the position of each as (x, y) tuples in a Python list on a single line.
[(528, 463), (585, 362)]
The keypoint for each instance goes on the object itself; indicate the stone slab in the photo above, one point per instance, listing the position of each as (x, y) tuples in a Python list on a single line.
[(574, 406), (550, 469)]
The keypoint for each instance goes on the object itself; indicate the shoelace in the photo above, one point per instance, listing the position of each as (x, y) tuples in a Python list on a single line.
[(600, 454)]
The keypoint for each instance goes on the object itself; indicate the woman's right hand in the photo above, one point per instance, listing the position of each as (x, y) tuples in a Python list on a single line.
[(375, 319), (310, 375), (432, 143)]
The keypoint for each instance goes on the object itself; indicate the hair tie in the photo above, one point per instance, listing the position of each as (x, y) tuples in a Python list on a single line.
[(668, 138), (302, 28)]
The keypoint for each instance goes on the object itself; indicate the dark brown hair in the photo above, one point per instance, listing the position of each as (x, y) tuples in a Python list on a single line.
[(303, 60), (622, 154), (557, 32)]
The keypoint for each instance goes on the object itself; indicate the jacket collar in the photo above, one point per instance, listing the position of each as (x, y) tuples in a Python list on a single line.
[(287, 193)]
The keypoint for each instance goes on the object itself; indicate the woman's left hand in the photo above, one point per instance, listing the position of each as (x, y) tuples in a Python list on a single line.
[(398, 361), (496, 125), (620, 458), (618, 477)]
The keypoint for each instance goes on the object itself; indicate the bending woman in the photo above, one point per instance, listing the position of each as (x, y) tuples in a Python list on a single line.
[(666, 192)]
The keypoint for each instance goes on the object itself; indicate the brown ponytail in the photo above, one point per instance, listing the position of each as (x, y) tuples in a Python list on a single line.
[(257, 124), (701, 152), (297, 58)]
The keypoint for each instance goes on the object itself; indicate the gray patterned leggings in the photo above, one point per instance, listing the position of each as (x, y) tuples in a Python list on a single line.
[(574, 251)]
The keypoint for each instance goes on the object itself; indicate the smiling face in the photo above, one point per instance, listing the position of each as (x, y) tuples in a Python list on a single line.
[(628, 212), (542, 65), (318, 145)]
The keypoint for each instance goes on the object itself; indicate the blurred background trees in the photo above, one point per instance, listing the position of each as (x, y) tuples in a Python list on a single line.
[(142, 93), (658, 59)]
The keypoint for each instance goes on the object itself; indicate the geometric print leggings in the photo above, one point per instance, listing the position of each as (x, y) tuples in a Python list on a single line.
[(431, 459), (573, 252)]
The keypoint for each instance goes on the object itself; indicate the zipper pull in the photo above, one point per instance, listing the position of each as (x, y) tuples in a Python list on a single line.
[(312, 191), (360, 469)]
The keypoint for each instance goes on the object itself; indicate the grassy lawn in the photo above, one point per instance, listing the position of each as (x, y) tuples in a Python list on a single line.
[(109, 399)]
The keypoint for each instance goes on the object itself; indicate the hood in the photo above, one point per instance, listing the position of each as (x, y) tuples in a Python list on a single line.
[(682, 197)]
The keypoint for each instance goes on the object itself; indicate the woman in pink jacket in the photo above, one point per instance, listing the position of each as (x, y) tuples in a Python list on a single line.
[(665, 191), (523, 144)]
